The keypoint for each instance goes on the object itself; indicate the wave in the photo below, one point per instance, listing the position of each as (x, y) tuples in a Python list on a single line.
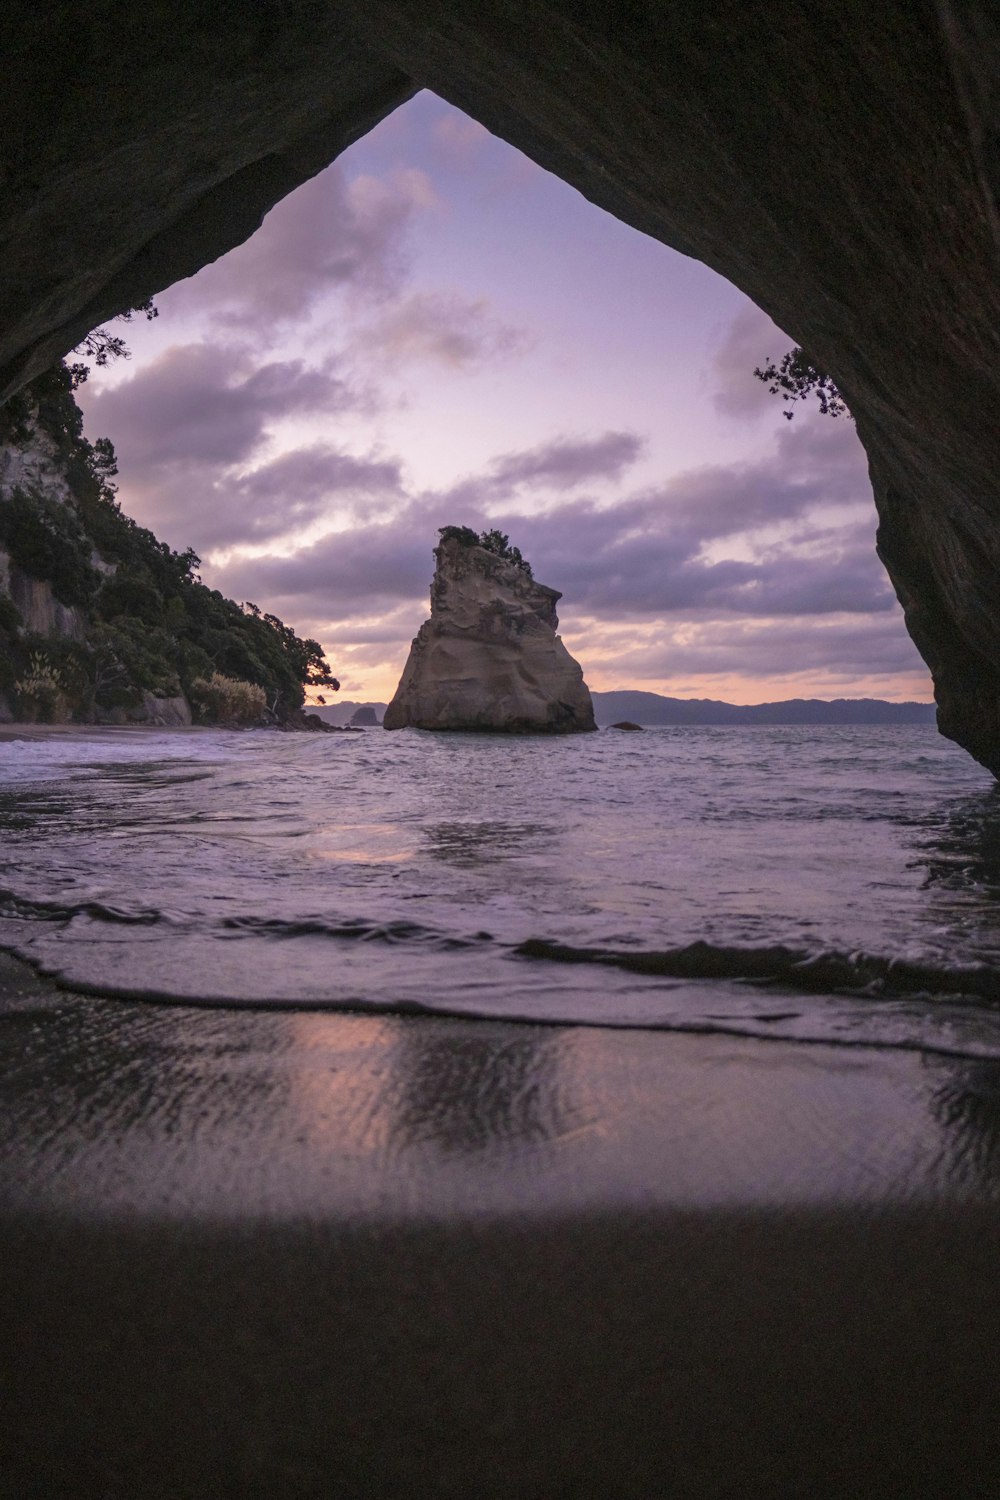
[(356, 928), (21, 908), (798, 969), (778, 965)]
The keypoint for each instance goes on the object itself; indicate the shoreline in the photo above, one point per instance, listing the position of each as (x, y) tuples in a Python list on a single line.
[(318, 1254), (21, 731)]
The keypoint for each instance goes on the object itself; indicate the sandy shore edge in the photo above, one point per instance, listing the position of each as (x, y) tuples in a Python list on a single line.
[(324, 1255), (17, 731)]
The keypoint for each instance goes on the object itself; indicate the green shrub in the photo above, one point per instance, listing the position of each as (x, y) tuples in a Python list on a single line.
[(228, 700), (464, 535), (152, 625), (497, 542), (130, 658), (41, 692)]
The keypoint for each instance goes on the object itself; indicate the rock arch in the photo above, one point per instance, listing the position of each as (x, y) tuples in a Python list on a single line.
[(839, 164)]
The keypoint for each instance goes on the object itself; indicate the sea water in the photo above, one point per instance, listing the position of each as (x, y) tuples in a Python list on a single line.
[(819, 884)]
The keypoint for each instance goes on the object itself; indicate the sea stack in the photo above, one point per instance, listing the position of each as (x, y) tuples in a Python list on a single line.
[(488, 658)]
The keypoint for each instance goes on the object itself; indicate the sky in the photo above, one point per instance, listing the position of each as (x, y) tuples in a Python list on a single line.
[(434, 331)]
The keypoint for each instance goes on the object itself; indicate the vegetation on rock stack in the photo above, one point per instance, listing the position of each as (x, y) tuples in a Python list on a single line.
[(150, 626), (497, 542)]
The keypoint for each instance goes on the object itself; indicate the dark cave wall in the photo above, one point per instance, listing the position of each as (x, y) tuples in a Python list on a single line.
[(837, 164), (138, 142)]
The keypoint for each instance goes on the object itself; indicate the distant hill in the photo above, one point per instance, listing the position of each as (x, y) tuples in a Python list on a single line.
[(653, 708), (339, 713)]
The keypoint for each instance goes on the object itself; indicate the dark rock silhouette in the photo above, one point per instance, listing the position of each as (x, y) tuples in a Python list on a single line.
[(839, 168), (363, 718), (626, 724), (341, 714)]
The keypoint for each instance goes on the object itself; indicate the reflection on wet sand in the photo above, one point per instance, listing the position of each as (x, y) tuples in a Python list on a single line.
[(967, 1104), (478, 1088), (172, 1110), (316, 1255)]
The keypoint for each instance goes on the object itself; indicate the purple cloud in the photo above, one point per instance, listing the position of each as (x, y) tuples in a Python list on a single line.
[(207, 404), (847, 649), (642, 558), (439, 327), (331, 233), (189, 425), (751, 340), (565, 463)]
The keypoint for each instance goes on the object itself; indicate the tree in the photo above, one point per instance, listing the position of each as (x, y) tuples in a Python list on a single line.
[(796, 378), (497, 542), (101, 345), (305, 659), (149, 624)]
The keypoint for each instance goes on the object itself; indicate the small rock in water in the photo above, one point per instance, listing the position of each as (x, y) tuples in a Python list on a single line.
[(363, 718), (626, 724)]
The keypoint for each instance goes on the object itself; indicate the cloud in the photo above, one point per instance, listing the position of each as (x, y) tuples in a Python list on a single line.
[(751, 341), (815, 461), (459, 138), (441, 327), (629, 561), (367, 570), (792, 533), (295, 490), (701, 546), (219, 509), (205, 403), (192, 428), (332, 233), (560, 464), (841, 647), (565, 462)]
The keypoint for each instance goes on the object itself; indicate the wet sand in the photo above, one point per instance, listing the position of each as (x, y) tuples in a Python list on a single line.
[(21, 731), (331, 1255)]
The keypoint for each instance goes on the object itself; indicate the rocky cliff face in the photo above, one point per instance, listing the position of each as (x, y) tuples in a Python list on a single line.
[(32, 463), (838, 164), (489, 657), (102, 623)]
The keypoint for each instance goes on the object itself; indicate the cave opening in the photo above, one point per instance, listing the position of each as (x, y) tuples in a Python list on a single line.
[(434, 330)]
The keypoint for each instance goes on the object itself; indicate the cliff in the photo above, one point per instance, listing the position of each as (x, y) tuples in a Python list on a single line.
[(489, 658), (102, 623)]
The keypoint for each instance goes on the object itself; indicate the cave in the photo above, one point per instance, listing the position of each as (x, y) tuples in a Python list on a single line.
[(839, 165)]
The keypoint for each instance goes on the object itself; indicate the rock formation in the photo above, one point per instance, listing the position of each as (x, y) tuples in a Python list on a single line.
[(838, 165), (101, 623), (489, 657), (363, 718)]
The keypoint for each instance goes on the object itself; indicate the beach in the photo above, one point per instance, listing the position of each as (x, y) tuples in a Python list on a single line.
[(319, 1254)]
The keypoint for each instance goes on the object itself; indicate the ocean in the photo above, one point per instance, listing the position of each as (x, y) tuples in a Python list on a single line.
[(814, 884)]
